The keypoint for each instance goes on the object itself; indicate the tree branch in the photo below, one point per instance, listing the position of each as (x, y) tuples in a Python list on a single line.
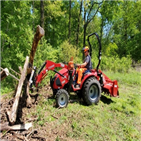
[(89, 20), (92, 7)]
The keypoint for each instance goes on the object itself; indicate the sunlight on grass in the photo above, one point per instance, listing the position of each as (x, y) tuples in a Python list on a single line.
[(112, 119)]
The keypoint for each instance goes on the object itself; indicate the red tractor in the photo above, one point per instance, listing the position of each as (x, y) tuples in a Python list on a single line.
[(93, 83)]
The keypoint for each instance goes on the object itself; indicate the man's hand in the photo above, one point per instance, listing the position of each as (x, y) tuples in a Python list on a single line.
[(78, 65)]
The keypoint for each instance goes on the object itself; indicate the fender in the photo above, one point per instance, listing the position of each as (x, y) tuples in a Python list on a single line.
[(88, 76)]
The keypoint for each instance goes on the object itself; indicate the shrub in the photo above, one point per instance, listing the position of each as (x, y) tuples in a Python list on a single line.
[(111, 49), (116, 64), (67, 51)]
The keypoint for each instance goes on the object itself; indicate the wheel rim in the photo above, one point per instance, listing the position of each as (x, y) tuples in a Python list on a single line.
[(93, 92), (62, 100)]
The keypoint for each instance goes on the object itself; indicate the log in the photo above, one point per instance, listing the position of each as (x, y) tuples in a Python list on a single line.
[(25, 126), (38, 35), (13, 113), (4, 73)]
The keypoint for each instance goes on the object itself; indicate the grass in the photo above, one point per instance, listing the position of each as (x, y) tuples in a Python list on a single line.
[(7, 85), (113, 119)]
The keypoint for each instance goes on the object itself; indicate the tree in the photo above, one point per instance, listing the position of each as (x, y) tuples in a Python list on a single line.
[(42, 13), (16, 32), (90, 10), (69, 34), (78, 23)]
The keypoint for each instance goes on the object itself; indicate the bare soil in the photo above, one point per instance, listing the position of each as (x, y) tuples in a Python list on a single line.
[(48, 132)]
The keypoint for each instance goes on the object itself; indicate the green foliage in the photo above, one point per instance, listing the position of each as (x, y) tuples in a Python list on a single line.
[(111, 50), (116, 64), (8, 85), (67, 51), (16, 32), (45, 52)]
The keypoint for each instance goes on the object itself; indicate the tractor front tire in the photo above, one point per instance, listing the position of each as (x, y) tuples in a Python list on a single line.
[(62, 98), (91, 91)]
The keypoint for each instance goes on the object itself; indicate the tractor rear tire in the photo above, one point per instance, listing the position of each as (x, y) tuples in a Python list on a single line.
[(91, 91), (62, 98)]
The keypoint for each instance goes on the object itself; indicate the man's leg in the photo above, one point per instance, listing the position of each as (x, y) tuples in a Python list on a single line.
[(80, 74)]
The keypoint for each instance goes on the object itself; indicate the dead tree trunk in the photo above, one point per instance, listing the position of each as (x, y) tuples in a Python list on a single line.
[(13, 113), (38, 35)]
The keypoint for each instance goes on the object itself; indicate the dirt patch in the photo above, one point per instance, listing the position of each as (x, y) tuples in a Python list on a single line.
[(138, 68), (55, 129), (49, 132)]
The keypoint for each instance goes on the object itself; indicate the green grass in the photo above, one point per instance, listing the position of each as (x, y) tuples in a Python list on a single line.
[(133, 77), (112, 119), (7, 85)]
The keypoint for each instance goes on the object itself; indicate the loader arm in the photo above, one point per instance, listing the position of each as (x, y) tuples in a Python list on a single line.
[(49, 65)]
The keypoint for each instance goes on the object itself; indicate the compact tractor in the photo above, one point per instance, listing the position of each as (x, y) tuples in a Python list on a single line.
[(92, 85)]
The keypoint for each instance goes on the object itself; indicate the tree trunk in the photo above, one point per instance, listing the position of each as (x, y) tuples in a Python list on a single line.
[(77, 34), (42, 13), (69, 34), (101, 31), (38, 35), (84, 37)]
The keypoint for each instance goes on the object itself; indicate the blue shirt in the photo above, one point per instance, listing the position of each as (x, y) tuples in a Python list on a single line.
[(88, 61)]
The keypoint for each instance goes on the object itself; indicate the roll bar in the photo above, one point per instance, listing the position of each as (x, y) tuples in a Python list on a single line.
[(99, 55)]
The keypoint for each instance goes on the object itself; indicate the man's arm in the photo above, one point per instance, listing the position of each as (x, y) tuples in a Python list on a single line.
[(84, 64)]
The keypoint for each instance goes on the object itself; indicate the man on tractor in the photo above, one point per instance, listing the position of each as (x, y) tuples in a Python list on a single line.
[(85, 67)]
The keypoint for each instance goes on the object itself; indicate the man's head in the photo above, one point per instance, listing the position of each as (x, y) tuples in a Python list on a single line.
[(86, 50)]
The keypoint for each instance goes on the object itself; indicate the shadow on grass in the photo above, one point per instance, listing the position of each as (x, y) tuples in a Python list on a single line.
[(106, 100), (74, 98)]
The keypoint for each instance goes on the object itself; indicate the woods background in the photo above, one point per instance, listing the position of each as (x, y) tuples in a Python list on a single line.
[(67, 25)]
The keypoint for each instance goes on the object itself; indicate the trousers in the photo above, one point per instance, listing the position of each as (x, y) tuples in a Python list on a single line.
[(80, 72)]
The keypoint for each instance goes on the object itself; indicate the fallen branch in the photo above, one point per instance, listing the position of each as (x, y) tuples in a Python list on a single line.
[(15, 72), (21, 137), (31, 133), (4, 133), (25, 126)]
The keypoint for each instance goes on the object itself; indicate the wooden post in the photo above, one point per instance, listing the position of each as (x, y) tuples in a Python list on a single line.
[(13, 113)]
